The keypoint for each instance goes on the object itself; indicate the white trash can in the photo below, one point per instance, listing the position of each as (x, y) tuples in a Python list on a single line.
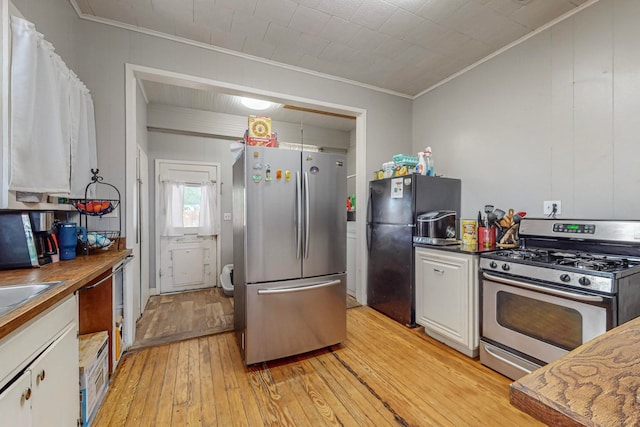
[(225, 280)]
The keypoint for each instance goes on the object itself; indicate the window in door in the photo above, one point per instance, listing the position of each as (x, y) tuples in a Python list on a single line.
[(191, 205)]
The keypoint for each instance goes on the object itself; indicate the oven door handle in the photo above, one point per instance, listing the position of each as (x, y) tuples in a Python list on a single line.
[(489, 348), (544, 289)]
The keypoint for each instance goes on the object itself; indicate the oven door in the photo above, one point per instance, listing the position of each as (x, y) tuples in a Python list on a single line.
[(538, 320)]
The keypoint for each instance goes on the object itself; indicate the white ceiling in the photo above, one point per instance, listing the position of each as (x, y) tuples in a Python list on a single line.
[(398, 46), (402, 46)]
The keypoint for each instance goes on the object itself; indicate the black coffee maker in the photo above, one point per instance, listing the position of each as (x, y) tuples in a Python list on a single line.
[(45, 238)]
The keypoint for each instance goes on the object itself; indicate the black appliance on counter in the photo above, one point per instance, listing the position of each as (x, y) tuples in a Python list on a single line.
[(437, 228), (17, 242), (392, 210), (570, 281)]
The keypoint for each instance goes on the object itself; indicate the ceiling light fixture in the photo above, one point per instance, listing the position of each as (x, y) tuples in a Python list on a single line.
[(255, 104)]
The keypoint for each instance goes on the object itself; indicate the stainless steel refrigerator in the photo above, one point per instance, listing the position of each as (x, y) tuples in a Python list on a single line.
[(289, 250), (394, 204)]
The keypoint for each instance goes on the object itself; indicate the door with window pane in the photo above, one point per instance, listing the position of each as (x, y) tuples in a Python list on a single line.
[(187, 225)]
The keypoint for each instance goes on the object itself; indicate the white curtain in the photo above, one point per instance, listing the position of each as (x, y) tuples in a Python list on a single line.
[(209, 220), (172, 202), (171, 218), (83, 139), (52, 126)]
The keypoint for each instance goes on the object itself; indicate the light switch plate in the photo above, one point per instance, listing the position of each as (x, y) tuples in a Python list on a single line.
[(227, 216)]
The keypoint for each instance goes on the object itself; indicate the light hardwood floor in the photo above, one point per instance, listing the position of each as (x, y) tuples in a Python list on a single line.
[(176, 317), (383, 375)]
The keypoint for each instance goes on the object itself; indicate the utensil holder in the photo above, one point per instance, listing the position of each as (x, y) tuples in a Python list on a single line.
[(486, 237)]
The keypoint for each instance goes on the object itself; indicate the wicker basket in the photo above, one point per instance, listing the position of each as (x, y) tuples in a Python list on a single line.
[(101, 240), (95, 207)]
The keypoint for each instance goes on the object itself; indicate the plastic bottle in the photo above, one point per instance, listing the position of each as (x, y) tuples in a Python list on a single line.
[(421, 169), (428, 159)]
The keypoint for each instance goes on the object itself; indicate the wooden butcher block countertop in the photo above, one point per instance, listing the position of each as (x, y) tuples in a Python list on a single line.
[(75, 273), (597, 384)]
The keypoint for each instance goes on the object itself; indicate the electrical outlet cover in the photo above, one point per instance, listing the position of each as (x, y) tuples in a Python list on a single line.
[(549, 205)]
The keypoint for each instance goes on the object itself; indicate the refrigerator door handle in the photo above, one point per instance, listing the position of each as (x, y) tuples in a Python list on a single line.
[(306, 215), (369, 203), (298, 215), (297, 288)]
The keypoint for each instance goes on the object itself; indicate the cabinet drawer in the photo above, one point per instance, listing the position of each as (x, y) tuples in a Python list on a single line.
[(21, 346)]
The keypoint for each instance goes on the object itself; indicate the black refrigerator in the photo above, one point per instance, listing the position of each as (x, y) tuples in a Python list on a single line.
[(393, 205)]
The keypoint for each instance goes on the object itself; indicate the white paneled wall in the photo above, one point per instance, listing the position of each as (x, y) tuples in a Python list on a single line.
[(592, 42), (626, 109), (554, 118)]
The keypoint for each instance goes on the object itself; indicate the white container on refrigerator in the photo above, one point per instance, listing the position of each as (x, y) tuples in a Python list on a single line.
[(289, 252)]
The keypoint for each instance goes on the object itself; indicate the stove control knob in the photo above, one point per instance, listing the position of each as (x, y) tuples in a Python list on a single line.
[(493, 264), (584, 281), (565, 278), (505, 267)]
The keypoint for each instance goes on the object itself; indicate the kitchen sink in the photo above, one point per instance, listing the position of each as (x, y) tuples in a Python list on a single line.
[(13, 296)]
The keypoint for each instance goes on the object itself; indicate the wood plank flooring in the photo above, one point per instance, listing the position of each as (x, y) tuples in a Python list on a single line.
[(175, 317), (383, 375)]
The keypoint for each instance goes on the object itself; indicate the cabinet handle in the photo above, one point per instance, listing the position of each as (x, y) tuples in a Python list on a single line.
[(41, 375), (27, 394), (126, 261), (437, 270)]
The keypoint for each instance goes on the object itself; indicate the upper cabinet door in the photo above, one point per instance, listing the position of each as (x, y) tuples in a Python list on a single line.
[(325, 188)]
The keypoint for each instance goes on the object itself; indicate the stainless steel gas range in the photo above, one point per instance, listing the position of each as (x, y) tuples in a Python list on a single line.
[(570, 281)]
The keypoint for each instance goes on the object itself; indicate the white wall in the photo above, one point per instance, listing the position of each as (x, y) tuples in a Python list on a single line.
[(554, 118), (101, 52)]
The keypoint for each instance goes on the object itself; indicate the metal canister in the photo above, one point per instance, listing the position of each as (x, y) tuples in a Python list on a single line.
[(469, 229)]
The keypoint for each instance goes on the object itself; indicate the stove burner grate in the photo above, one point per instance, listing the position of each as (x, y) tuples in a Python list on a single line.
[(575, 259), (591, 262), (525, 254)]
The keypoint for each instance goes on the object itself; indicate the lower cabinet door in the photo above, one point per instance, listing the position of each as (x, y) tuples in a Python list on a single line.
[(55, 382), (288, 318), (15, 402), (444, 295)]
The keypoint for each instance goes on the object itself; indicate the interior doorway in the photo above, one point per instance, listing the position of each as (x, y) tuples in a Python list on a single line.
[(133, 100)]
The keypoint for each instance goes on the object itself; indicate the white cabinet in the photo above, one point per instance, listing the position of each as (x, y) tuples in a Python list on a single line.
[(44, 395), (447, 297), (40, 378), (15, 405), (55, 382), (351, 258)]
